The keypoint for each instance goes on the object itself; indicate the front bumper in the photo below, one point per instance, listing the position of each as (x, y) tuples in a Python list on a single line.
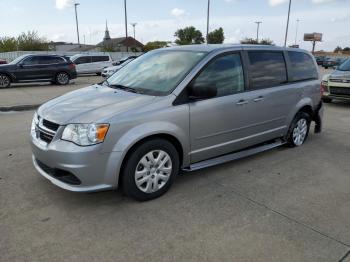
[(90, 169)]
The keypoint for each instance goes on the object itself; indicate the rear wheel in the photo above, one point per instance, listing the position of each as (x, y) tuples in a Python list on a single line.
[(327, 100), (62, 78), (299, 129), (150, 170), (5, 81)]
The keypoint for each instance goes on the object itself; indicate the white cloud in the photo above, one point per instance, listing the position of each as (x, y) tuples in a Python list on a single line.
[(177, 12), (276, 2), (63, 4)]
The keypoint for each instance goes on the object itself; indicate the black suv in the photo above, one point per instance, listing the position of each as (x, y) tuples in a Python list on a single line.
[(37, 68)]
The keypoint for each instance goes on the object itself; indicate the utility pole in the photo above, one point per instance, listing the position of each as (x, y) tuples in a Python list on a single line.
[(286, 36), (134, 25), (296, 32), (257, 30), (126, 26), (208, 14), (76, 21)]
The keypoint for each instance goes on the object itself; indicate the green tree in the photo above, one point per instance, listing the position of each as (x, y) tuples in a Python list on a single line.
[(8, 44), (216, 36), (30, 41), (188, 35), (155, 45), (338, 49), (253, 41), (266, 41)]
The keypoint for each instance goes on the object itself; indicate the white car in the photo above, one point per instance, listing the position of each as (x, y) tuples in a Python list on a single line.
[(107, 72), (91, 64)]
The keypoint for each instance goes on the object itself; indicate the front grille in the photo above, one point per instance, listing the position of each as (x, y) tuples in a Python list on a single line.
[(50, 125), (46, 137), (59, 174), (339, 80), (340, 90)]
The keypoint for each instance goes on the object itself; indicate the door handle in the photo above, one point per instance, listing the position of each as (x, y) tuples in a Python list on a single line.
[(258, 99), (242, 102)]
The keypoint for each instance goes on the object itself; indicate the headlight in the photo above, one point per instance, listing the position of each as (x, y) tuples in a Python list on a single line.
[(85, 134), (35, 122)]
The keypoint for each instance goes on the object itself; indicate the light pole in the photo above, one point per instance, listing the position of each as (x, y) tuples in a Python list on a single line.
[(134, 25), (257, 31), (296, 32), (286, 36), (126, 26), (208, 13), (76, 21)]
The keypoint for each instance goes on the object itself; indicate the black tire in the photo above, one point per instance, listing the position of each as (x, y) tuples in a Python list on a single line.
[(291, 141), (98, 74), (62, 78), (5, 81), (133, 161), (327, 100)]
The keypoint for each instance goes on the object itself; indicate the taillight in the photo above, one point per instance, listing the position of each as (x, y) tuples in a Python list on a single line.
[(322, 88), (72, 66)]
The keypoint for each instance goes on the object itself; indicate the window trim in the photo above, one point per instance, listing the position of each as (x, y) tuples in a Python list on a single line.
[(183, 98), (249, 68)]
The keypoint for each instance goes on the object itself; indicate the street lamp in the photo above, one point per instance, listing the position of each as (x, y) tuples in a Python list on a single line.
[(134, 25), (296, 32), (208, 13), (285, 38), (76, 21), (126, 26), (257, 31)]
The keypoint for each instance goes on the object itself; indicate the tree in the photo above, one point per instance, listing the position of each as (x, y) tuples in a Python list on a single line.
[(188, 35), (253, 41), (346, 49), (8, 44), (216, 36), (338, 49), (155, 45), (30, 41)]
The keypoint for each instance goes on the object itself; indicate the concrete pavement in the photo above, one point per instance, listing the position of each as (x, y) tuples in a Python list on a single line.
[(281, 205)]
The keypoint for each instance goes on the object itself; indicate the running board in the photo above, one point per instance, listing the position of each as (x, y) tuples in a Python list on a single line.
[(234, 156)]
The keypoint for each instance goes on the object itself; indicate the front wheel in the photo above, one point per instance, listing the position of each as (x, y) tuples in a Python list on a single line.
[(299, 129), (62, 78), (150, 170)]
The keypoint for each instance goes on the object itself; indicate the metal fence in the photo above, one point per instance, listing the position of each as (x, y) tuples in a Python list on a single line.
[(9, 56)]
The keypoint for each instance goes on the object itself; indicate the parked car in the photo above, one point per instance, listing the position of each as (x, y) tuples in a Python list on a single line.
[(107, 72), (2, 62), (329, 62), (320, 60), (185, 107), (337, 84), (91, 64), (37, 68), (121, 61)]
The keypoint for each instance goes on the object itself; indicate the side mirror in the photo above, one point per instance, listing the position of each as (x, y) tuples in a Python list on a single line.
[(202, 91)]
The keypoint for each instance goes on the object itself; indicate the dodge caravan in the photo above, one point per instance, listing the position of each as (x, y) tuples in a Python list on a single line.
[(178, 108)]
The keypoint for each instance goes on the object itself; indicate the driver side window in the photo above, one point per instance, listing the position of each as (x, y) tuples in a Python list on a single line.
[(225, 73)]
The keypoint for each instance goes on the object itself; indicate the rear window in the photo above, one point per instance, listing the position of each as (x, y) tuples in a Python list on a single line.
[(267, 69), (82, 60), (302, 66), (46, 60), (100, 58)]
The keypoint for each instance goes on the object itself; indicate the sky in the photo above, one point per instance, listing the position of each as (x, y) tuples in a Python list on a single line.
[(159, 19)]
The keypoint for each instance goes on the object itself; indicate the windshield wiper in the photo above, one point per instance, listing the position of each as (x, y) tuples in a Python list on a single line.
[(125, 88)]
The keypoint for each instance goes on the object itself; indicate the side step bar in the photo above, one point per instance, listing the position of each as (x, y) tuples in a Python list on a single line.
[(234, 156)]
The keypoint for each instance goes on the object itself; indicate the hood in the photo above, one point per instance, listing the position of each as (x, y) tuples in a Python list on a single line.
[(337, 74), (91, 104), (6, 66)]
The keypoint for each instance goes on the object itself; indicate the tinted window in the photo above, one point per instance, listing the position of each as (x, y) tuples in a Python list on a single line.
[(267, 69), (82, 60), (303, 66), (225, 73), (100, 58), (47, 60), (33, 60), (345, 66)]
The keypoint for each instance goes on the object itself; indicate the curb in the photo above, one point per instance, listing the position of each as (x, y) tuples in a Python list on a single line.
[(18, 108)]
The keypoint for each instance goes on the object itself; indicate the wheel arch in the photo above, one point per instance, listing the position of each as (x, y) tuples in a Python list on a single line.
[(12, 79)]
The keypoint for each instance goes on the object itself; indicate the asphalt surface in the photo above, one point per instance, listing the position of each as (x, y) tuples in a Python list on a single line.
[(281, 205)]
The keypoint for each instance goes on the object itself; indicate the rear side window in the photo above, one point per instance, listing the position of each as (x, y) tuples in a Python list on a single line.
[(225, 73), (47, 60), (82, 60), (302, 66), (100, 58), (267, 69)]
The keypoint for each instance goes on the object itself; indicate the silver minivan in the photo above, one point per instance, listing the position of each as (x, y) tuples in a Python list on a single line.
[(179, 108)]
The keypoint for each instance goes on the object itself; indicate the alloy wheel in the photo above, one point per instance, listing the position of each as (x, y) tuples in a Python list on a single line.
[(4, 81), (300, 131)]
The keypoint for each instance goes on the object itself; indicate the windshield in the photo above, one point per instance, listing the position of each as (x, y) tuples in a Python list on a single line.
[(345, 66), (157, 72), (18, 59)]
